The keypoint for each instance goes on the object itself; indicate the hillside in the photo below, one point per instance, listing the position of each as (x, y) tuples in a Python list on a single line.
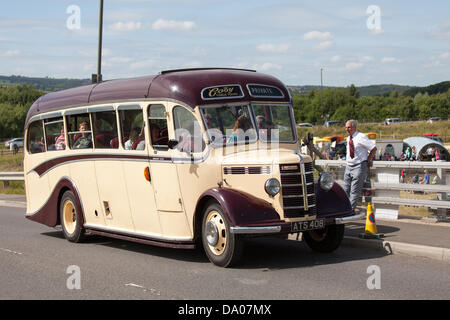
[(51, 84), (440, 87), (364, 91), (44, 84)]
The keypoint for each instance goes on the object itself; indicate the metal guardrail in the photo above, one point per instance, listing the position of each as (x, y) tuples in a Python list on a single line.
[(6, 177), (385, 190)]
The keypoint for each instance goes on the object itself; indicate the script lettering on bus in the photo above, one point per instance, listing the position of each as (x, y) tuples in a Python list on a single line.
[(222, 92)]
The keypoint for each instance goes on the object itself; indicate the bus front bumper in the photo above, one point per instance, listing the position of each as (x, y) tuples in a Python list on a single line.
[(286, 226)]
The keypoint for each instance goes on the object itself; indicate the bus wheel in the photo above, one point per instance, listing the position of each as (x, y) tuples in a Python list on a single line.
[(325, 240), (223, 248), (71, 222)]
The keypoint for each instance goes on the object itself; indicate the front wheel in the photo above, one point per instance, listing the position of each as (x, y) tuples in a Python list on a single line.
[(325, 240), (223, 248), (71, 221)]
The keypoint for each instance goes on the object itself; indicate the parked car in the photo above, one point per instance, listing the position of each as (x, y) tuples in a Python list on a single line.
[(305, 125), (434, 119), (389, 121), (332, 123), (16, 141)]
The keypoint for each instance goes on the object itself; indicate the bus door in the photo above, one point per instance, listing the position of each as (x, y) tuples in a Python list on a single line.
[(163, 173), (163, 170), (140, 191)]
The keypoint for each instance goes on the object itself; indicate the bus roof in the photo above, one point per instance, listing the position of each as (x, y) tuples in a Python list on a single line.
[(182, 85)]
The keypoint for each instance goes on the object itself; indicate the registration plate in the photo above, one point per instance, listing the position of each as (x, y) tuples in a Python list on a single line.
[(299, 226)]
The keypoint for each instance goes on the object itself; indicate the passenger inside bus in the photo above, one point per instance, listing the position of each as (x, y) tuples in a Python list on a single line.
[(60, 141), (241, 130), (85, 140), (132, 139)]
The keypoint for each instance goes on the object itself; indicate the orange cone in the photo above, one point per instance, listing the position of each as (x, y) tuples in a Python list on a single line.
[(371, 227)]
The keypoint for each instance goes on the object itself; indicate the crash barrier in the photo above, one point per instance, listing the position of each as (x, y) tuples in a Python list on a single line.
[(6, 177), (383, 188)]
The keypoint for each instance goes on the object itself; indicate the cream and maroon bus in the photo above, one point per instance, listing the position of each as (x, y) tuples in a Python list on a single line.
[(204, 157)]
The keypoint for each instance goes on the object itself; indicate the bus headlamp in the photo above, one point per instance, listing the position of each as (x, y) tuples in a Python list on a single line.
[(326, 181), (272, 186)]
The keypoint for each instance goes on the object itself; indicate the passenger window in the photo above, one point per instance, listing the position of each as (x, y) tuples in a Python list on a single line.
[(187, 131), (105, 129), (158, 127), (35, 140), (132, 128), (79, 131), (54, 134)]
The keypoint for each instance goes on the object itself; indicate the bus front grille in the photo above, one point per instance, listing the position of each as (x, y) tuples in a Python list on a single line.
[(295, 186)]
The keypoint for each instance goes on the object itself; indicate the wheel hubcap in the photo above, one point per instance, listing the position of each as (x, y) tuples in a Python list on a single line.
[(70, 216), (212, 233), (216, 232)]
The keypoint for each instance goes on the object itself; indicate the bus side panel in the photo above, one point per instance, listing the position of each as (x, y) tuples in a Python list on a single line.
[(83, 175), (113, 195), (141, 198), (37, 187), (194, 180)]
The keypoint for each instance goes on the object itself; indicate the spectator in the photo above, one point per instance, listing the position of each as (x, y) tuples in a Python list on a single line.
[(426, 178)]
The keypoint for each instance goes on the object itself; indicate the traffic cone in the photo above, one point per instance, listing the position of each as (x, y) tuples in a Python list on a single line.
[(371, 227)]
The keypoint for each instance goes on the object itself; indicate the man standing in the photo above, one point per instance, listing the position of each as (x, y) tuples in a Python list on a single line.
[(360, 152)]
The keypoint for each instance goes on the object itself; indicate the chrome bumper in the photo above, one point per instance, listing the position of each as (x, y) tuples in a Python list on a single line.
[(255, 230), (350, 218)]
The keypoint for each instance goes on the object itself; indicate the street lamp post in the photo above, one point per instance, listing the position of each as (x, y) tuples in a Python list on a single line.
[(97, 78)]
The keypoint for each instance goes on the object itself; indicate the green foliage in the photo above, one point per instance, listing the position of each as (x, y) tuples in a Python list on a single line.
[(14, 104), (341, 104)]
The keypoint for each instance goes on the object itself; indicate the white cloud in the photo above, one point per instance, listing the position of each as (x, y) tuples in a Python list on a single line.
[(325, 45), (377, 31), (266, 66), (389, 60), (125, 26), (367, 59), (11, 53), (317, 35), (336, 58), (162, 24), (442, 32), (274, 48), (142, 64), (352, 66)]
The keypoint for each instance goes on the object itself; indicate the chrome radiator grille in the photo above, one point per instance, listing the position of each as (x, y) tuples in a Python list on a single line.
[(295, 186)]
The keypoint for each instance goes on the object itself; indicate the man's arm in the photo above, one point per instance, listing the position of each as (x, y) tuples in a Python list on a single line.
[(371, 154)]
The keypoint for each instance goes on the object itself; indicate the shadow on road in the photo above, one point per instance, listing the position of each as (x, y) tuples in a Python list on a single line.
[(271, 253)]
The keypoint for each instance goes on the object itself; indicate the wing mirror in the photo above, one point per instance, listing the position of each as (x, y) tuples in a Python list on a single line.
[(172, 143)]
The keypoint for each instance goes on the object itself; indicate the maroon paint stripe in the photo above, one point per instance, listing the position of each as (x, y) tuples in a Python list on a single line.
[(44, 167)]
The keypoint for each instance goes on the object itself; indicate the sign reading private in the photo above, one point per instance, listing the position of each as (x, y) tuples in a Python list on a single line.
[(262, 91)]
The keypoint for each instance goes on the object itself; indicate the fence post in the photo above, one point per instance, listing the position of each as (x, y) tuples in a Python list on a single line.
[(441, 212), (389, 176)]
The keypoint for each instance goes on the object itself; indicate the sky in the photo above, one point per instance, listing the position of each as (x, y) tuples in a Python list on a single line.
[(351, 41)]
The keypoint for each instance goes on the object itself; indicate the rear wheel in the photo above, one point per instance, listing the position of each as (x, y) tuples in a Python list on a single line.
[(223, 248), (71, 221), (325, 240)]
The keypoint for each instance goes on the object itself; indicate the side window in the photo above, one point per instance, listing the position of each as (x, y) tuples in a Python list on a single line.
[(158, 127), (54, 134), (79, 131), (188, 131), (35, 140), (105, 129), (132, 129)]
